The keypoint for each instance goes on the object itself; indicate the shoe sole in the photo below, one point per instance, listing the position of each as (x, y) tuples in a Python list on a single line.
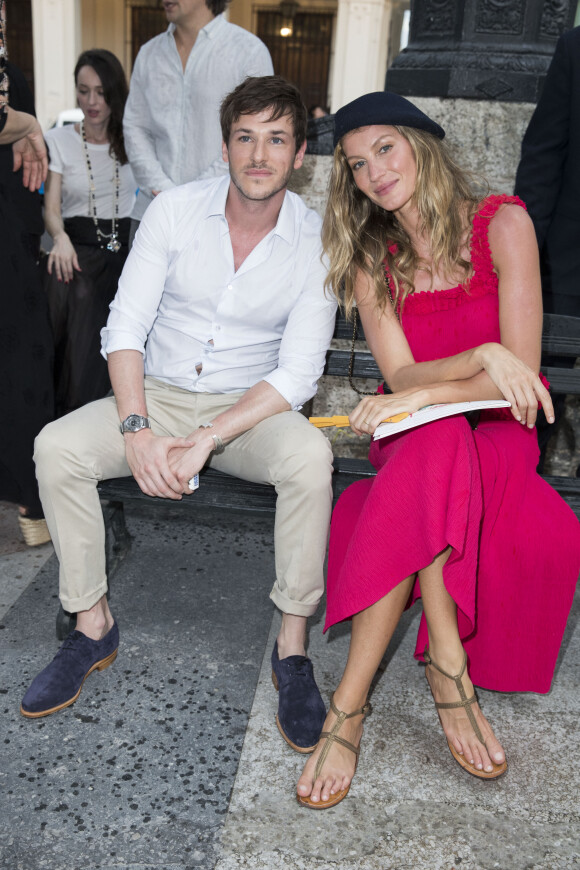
[(303, 750), (98, 666)]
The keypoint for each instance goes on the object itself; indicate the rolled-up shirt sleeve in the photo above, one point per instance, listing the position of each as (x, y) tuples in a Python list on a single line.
[(135, 306), (306, 338)]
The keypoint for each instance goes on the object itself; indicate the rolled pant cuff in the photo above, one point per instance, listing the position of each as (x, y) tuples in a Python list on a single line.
[(75, 605), (295, 608)]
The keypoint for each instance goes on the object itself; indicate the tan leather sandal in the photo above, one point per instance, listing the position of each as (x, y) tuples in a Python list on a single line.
[(466, 703), (332, 737)]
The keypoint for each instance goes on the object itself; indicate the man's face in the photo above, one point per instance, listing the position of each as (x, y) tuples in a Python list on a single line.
[(262, 154), (178, 11)]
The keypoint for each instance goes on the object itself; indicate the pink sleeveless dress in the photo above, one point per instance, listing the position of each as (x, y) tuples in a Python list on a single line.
[(515, 544)]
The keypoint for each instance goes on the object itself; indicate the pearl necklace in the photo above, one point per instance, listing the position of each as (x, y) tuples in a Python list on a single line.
[(113, 245)]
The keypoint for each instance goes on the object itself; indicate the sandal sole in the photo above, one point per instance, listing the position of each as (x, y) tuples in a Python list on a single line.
[(323, 805), (499, 769)]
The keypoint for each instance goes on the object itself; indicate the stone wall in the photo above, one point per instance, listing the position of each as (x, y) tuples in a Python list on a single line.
[(485, 138)]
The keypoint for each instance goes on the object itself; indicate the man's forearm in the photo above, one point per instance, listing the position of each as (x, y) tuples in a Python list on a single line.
[(260, 402), (126, 371)]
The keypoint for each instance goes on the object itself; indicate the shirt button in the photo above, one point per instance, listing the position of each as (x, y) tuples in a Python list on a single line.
[(217, 329), (230, 286)]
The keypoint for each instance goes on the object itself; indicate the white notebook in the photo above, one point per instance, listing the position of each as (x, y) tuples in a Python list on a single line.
[(436, 412)]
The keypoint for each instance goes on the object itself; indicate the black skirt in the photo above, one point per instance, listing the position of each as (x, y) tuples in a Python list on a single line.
[(79, 310)]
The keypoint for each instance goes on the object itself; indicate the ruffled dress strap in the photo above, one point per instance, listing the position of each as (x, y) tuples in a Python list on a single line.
[(484, 277)]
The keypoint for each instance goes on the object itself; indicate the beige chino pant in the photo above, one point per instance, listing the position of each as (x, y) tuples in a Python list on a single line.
[(75, 452)]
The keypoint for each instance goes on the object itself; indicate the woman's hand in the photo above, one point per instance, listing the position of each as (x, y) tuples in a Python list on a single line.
[(517, 382), (372, 410), (63, 258)]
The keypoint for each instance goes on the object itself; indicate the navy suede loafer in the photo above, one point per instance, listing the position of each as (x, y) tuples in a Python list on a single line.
[(60, 683), (301, 710)]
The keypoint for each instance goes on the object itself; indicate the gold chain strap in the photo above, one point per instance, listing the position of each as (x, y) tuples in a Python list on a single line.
[(354, 334)]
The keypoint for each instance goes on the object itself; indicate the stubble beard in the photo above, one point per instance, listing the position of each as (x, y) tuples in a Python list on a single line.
[(261, 197)]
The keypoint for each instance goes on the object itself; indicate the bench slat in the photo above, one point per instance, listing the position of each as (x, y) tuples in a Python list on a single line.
[(230, 493), (563, 380), (337, 362)]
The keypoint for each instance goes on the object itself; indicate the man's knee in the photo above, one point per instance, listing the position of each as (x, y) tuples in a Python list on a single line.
[(309, 461), (52, 454)]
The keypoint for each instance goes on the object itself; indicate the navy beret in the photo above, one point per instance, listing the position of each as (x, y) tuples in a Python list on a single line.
[(382, 107)]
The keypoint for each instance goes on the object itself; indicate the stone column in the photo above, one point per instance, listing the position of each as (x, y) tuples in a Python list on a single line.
[(360, 56), (483, 49), (57, 39)]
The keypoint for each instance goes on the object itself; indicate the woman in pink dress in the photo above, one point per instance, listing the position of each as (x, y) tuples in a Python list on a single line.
[(447, 286)]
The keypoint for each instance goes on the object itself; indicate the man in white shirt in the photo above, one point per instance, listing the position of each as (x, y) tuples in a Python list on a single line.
[(217, 336), (171, 122)]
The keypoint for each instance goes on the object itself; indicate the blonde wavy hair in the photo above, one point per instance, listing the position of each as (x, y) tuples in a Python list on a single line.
[(356, 233)]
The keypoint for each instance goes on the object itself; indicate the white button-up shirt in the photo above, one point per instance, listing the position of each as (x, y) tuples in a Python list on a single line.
[(171, 122), (203, 326)]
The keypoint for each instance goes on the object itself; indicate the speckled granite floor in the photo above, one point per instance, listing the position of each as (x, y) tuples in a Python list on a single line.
[(138, 773), (171, 759)]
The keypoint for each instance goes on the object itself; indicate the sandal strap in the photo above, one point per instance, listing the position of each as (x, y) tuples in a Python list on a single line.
[(465, 701), (362, 711), (336, 739), (332, 736)]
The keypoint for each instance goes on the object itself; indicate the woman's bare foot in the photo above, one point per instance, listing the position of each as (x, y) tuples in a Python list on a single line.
[(339, 765), (455, 721)]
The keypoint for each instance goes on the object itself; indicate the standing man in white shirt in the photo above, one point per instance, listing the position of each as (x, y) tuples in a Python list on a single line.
[(216, 338), (171, 122)]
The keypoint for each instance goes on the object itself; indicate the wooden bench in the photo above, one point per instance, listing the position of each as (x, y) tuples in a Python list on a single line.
[(217, 490)]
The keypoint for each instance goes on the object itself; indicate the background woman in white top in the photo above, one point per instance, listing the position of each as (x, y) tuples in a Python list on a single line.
[(90, 192)]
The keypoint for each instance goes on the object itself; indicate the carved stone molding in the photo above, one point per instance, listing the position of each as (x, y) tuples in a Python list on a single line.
[(500, 16), (553, 22), (480, 49), (436, 17)]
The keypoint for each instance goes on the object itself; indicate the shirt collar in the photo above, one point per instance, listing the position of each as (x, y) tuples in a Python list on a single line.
[(216, 207), (210, 30)]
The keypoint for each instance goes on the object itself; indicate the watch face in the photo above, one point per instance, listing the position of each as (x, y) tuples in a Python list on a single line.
[(134, 422)]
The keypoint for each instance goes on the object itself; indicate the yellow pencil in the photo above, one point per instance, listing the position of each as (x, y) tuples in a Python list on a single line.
[(323, 422)]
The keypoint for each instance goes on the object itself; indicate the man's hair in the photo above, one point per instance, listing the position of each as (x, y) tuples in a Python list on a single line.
[(216, 7), (258, 93)]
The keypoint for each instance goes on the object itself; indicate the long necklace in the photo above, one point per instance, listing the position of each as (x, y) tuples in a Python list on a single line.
[(113, 245)]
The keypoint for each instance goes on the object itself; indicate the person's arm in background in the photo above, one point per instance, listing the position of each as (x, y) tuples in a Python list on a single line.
[(20, 128), (545, 143), (63, 257), (23, 132), (139, 142)]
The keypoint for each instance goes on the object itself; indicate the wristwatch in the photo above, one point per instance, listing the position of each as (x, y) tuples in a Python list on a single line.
[(134, 423)]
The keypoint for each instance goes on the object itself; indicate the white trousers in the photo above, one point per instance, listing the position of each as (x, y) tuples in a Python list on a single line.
[(75, 452)]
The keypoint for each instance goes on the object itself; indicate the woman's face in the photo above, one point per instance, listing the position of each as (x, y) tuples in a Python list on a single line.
[(383, 166), (90, 96)]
